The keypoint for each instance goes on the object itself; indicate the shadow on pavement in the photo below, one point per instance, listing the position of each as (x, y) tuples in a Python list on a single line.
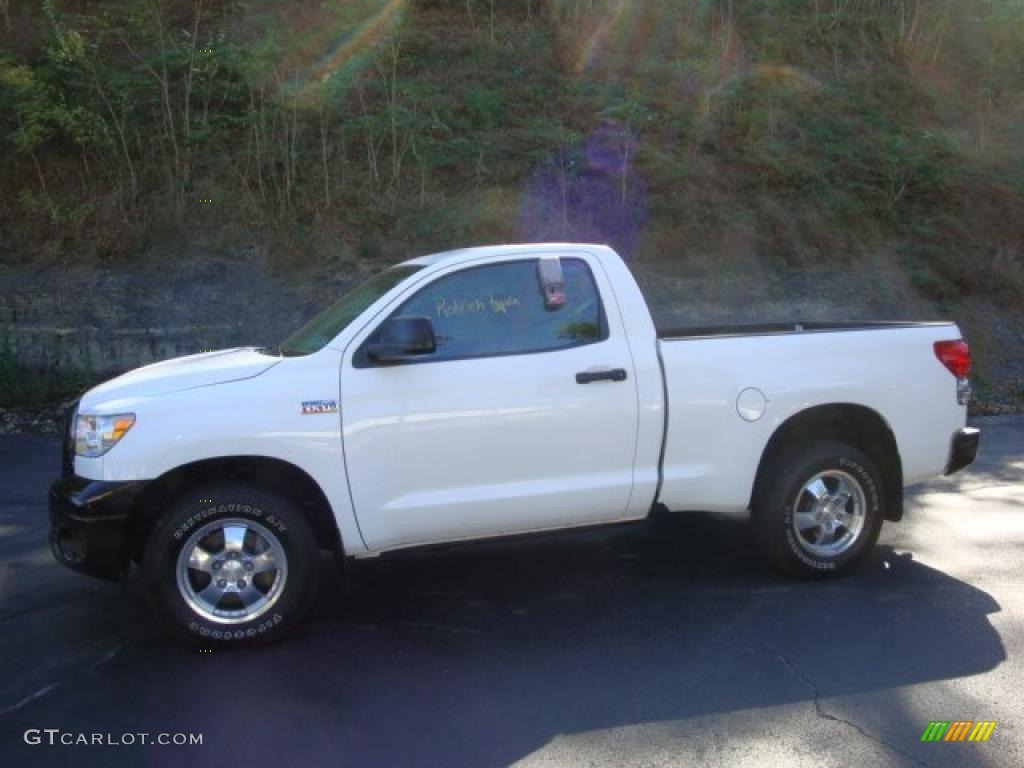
[(479, 655)]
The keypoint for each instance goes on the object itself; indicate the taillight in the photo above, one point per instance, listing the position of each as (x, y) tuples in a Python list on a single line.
[(955, 355)]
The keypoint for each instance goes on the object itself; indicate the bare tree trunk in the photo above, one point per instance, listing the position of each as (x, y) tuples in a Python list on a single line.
[(287, 201), (990, 96), (940, 32), (256, 124), (390, 77), (119, 127), (165, 88), (625, 164), (165, 97), (50, 208), (343, 156), (293, 152), (186, 127), (563, 190), (163, 80), (273, 144), (168, 162), (371, 150), (323, 155), (423, 184)]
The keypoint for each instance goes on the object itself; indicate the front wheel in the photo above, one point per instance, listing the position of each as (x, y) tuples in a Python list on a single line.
[(231, 564), (818, 508)]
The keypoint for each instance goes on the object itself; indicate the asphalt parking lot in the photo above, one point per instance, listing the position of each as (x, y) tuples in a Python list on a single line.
[(663, 643)]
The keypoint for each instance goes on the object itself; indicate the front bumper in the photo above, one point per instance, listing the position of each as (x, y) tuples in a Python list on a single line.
[(964, 449), (88, 524)]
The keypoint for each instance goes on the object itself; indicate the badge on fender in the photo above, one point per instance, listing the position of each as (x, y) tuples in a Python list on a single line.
[(311, 407)]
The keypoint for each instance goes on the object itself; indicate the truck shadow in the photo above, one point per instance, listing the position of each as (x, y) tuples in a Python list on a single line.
[(480, 655)]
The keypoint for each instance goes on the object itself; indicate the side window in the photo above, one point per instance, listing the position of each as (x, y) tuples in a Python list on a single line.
[(498, 309)]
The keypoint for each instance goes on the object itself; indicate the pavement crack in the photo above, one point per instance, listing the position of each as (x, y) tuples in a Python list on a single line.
[(819, 708), (413, 625), (107, 657), (439, 627), (30, 698), (89, 662)]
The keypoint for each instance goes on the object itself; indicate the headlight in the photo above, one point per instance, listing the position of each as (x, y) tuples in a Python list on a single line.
[(95, 435)]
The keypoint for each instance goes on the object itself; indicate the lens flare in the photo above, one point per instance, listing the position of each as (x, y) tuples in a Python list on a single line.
[(598, 41), (589, 193), (343, 52)]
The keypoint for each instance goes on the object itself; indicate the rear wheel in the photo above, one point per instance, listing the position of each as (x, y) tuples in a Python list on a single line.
[(818, 508), (231, 563)]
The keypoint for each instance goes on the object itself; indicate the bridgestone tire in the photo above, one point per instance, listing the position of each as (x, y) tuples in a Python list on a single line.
[(780, 489), (271, 523)]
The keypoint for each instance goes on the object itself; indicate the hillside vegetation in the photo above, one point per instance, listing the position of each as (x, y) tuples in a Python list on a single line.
[(820, 127), (688, 132)]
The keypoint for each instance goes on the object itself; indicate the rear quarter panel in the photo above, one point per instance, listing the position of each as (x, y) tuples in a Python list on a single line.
[(712, 455)]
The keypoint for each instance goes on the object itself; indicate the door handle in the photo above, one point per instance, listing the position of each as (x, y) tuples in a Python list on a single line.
[(614, 374)]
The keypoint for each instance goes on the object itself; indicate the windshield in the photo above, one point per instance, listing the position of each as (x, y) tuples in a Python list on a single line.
[(315, 334)]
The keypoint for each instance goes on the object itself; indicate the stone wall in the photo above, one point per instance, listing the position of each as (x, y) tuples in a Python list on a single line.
[(107, 319), (110, 318)]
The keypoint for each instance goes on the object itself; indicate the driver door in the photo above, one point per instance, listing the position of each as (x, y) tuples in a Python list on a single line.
[(492, 433)]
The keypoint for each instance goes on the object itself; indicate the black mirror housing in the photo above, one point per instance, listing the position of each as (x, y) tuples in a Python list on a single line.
[(402, 338)]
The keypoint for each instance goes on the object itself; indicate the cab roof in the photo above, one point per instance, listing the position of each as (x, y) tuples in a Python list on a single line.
[(484, 251)]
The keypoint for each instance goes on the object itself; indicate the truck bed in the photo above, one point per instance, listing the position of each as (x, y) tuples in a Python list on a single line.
[(712, 454)]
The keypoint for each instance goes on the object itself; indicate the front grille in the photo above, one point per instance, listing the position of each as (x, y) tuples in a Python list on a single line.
[(67, 459)]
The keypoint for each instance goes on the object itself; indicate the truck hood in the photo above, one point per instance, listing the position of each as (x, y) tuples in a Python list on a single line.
[(180, 373)]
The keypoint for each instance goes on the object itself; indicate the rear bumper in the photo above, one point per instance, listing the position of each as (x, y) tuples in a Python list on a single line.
[(964, 449), (88, 524)]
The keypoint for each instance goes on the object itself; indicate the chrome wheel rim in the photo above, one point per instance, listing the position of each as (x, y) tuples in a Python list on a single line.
[(232, 571), (828, 515)]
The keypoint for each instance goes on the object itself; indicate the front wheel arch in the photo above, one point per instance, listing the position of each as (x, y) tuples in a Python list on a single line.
[(270, 474)]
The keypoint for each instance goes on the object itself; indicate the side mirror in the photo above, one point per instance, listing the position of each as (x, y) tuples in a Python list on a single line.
[(403, 338)]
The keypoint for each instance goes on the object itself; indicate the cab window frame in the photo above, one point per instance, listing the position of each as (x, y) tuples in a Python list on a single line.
[(362, 359)]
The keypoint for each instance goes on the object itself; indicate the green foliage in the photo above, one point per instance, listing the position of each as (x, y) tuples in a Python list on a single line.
[(413, 125), (44, 113), (837, 146), (63, 215)]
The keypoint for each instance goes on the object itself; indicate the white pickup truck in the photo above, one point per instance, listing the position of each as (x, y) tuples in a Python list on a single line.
[(486, 392)]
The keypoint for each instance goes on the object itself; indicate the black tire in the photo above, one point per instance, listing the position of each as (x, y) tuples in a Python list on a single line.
[(272, 525), (780, 489)]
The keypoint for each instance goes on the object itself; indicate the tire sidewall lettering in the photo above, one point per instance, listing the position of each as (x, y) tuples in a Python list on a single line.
[(865, 479), (199, 626), (228, 632), (220, 501), (243, 510)]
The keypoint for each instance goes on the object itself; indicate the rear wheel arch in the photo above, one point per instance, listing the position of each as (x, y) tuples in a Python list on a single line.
[(270, 474), (857, 425)]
